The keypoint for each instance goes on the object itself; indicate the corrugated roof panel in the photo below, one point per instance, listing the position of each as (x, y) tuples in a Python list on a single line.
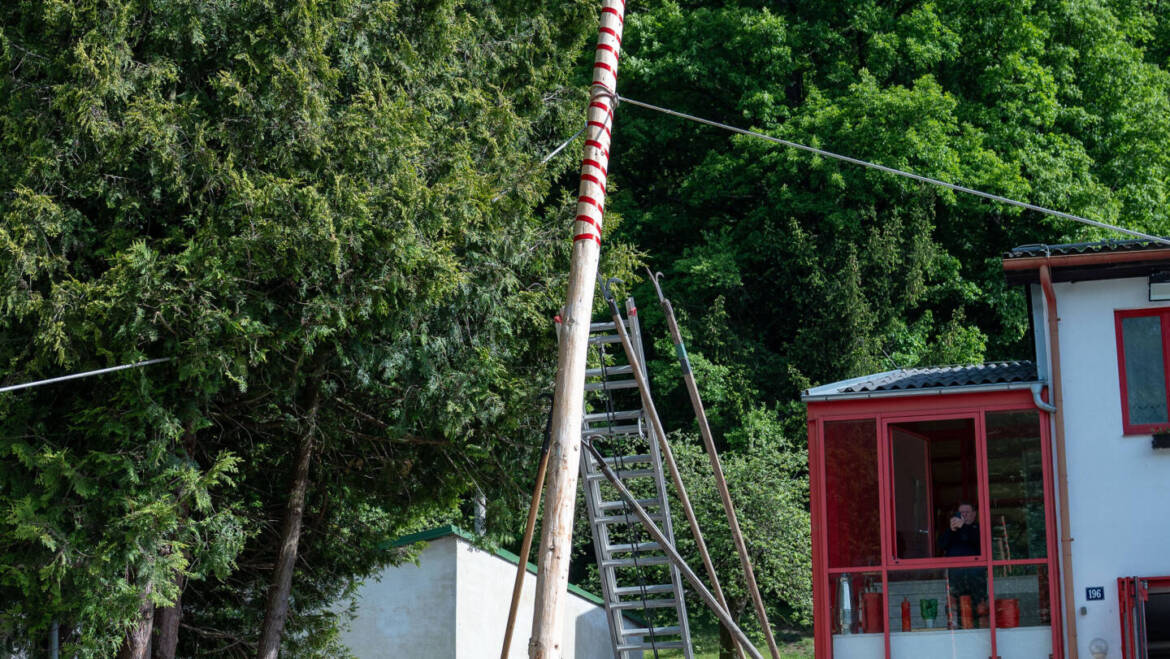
[(932, 377)]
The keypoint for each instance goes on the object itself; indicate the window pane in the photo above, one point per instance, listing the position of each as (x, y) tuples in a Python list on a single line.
[(1023, 615), (1145, 377), (1015, 467), (856, 605), (851, 493), (935, 479), (946, 611)]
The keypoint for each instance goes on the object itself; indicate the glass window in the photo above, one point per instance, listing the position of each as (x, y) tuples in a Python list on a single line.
[(939, 613), (1023, 616), (935, 481), (851, 496), (1143, 369), (1015, 470)]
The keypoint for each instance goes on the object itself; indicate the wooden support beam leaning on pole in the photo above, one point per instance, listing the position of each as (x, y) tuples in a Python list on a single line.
[(719, 610), (713, 455), (667, 454), (552, 576)]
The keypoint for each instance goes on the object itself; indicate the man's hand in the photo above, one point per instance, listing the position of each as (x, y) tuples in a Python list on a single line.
[(956, 523)]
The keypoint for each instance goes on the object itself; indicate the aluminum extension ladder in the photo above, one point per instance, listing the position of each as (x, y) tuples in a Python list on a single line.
[(636, 576)]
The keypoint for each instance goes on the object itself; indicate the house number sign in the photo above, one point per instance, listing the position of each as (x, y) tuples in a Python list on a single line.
[(1093, 593)]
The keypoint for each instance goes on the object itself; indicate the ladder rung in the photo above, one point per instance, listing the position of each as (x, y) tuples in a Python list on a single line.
[(609, 371), (624, 415), (660, 645), (611, 385), (633, 546), (603, 326), (644, 604), (657, 631), (621, 505), (661, 603), (610, 431), (622, 519), (623, 474), (605, 338), (655, 589), (628, 460), (638, 562)]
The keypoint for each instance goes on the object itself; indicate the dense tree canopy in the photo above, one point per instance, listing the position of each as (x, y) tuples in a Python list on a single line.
[(798, 269), (330, 214)]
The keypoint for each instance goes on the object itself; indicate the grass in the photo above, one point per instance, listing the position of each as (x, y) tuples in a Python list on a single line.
[(707, 647)]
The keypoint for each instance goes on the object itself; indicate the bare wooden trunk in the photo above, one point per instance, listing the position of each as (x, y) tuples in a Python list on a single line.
[(137, 642), (276, 609), (728, 648), (166, 630)]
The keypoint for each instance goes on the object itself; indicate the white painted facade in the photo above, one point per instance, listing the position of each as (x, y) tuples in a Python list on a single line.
[(1119, 486), (454, 605)]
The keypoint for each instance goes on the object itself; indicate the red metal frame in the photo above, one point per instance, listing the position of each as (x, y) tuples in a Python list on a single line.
[(884, 411), (1128, 590), (885, 438), (1164, 314)]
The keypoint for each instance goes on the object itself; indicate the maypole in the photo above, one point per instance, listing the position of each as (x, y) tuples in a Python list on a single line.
[(552, 576)]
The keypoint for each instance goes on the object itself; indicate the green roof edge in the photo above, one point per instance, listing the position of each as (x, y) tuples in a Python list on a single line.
[(451, 529)]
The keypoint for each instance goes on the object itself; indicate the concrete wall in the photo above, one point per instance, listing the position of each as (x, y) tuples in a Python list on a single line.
[(1119, 487), (454, 604), (410, 610), (485, 589)]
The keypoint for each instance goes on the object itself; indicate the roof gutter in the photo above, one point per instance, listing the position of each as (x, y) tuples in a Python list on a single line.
[(1073, 260), (1058, 440), (925, 391)]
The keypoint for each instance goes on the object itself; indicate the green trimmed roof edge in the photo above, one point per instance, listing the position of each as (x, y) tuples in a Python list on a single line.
[(451, 529)]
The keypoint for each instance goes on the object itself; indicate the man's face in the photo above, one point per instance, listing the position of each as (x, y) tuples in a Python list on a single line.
[(967, 513)]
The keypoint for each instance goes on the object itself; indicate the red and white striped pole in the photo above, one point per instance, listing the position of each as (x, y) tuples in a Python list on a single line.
[(556, 541)]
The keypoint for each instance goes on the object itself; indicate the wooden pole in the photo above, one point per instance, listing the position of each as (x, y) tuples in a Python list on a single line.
[(720, 481), (526, 545), (667, 454), (552, 576), (719, 610)]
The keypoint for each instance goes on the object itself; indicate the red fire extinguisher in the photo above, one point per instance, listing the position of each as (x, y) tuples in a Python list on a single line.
[(905, 614)]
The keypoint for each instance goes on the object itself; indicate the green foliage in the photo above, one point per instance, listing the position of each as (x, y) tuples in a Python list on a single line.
[(770, 491), (286, 198), (788, 270)]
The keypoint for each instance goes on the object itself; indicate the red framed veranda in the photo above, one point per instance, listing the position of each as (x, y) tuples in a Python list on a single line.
[(891, 580)]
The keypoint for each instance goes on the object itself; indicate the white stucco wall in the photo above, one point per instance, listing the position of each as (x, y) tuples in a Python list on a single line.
[(1119, 487), (409, 611), (454, 605), (485, 590)]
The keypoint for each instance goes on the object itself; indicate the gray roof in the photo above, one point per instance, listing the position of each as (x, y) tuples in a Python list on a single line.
[(1028, 251), (993, 375)]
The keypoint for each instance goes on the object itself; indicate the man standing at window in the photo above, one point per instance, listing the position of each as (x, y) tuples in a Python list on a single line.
[(962, 539)]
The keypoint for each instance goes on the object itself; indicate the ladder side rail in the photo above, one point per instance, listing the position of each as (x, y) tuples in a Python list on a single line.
[(600, 539), (635, 331)]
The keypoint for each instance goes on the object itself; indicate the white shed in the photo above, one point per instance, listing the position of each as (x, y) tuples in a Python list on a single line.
[(454, 604)]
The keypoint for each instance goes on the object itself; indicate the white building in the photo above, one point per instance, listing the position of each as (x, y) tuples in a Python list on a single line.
[(1065, 539), (454, 605)]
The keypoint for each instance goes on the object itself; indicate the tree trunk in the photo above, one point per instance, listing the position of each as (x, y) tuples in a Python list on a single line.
[(166, 620), (276, 610), (735, 608), (137, 641), (166, 630)]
